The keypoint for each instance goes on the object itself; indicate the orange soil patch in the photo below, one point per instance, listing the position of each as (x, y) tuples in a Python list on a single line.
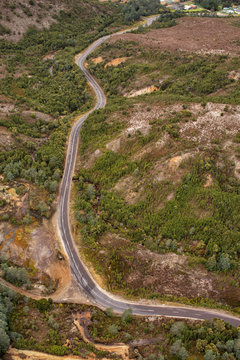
[(207, 35), (97, 60), (209, 181), (115, 62), (146, 90)]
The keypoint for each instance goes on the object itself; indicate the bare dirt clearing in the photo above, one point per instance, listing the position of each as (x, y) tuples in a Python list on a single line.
[(191, 34)]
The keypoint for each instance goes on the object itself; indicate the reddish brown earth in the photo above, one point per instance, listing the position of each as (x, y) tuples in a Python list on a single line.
[(192, 34)]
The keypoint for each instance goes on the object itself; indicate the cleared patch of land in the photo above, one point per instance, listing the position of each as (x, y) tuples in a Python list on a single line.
[(205, 35)]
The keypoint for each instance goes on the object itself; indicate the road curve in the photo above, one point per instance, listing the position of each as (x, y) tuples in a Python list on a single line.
[(83, 277)]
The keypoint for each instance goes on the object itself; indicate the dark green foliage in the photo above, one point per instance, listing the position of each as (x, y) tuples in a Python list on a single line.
[(7, 298), (134, 9), (15, 275), (210, 4), (167, 18), (43, 305), (4, 341), (113, 78), (127, 316), (55, 86), (110, 167), (60, 92), (45, 167), (179, 338), (16, 124)]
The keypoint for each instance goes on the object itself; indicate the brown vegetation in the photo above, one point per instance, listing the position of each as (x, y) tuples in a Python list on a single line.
[(207, 35)]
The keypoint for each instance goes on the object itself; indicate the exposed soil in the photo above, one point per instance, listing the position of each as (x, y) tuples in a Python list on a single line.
[(97, 60), (146, 90), (210, 125), (191, 34), (213, 123), (115, 62), (6, 138), (15, 354), (33, 245)]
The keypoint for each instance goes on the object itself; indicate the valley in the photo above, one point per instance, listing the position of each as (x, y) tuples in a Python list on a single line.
[(155, 202)]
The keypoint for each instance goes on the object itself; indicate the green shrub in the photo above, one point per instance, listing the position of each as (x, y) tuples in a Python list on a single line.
[(44, 305)]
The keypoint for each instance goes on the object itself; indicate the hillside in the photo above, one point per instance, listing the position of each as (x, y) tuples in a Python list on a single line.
[(155, 201), (42, 91), (157, 195), (17, 16)]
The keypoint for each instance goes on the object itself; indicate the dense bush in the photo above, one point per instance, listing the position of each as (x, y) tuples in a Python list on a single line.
[(216, 234), (15, 275), (134, 9), (7, 297), (42, 166)]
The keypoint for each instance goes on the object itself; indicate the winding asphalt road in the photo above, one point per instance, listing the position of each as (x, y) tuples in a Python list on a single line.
[(85, 281)]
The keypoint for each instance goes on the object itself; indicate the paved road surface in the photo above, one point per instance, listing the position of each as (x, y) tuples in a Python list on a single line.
[(84, 279)]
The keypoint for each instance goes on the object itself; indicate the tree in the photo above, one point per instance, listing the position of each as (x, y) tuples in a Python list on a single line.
[(209, 355), (211, 263), (12, 170), (15, 275), (229, 346), (4, 341), (52, 323), (224, 262), (201, 345), (182, 354), (3, 325), (43, 208), (178, 350), (113, 329), (109, 312), (237, 346), (43, 305), (127, 316), (175, 347), (53, 186), (177, 328)]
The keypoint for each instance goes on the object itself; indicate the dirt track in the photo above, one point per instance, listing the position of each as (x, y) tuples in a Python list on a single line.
[(15, 354), (81, 321), (207, 35)]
